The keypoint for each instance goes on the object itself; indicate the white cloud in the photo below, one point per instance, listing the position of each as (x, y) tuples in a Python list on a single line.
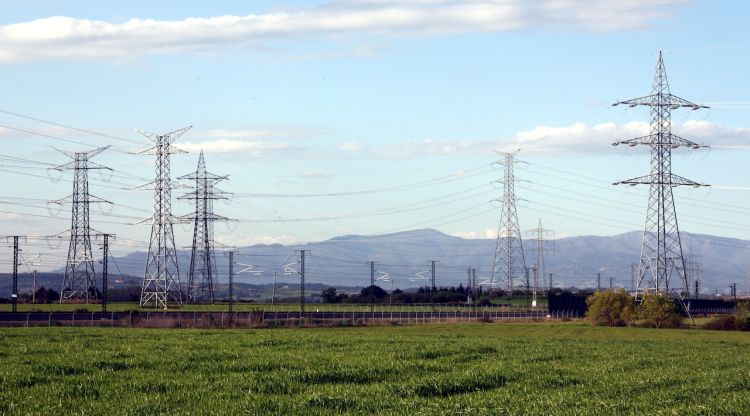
[(714, 135), (244, 133), (350, 146), (61, 37), (315, 174), (250, 141), (472, 235), (576, 138), (579, 138), (249, 147)]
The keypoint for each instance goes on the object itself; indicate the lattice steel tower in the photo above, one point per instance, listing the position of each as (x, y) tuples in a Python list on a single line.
[(161, 280), (661, 251), (202, 262), (79, 281), (509, 262), (542, 236)]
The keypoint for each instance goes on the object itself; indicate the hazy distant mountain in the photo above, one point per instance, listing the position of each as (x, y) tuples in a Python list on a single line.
[(574, 261)]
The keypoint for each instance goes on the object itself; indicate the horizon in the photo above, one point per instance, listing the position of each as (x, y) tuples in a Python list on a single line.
[(331, 120)]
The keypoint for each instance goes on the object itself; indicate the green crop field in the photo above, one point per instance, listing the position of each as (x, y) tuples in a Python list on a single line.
[(472, 369)]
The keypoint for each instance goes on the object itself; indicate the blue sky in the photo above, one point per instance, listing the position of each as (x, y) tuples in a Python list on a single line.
[(405, 98)]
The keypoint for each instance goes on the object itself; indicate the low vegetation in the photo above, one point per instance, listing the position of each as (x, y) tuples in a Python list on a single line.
[(611, 308), (619, 308), (477, 369), (740, 321)]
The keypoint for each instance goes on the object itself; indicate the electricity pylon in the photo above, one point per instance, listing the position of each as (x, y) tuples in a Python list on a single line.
[(79, 281), (161, 280), (661, 250), (202, 261), (694, 268), (541, 235), (509, 262)]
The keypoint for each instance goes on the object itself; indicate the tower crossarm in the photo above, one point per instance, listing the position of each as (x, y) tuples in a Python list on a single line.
[(213, 195), (661, 100), (204, 175), (71, 199), (655, 179), (189, 218), (170, 137), (672, 140), (167, 149)]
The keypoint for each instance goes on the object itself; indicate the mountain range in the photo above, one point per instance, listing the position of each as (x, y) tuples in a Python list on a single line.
[(406, 256)]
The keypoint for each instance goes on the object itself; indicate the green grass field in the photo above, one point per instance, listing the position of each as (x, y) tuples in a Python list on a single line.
[(476, 369)]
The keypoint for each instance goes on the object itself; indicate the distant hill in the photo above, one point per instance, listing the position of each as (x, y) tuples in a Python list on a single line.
[(573, 261)]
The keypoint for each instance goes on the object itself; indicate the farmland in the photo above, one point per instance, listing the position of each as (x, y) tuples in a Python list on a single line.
[(542, 368)]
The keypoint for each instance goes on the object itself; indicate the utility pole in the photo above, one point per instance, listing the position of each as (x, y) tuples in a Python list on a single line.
[(273, 290), (231, 280), (509, 261), (371, 288), (14, 295), (477, 290), (550, 283), (528, 287), (161, 279), (533, 300), (611, 279), (302, 283), (632, 277), (697, 293), (433, 287), (79, 281), (469, 294), (694, 268), (599, 282), (661, 249), (33, 287), (202, 261), (105, 268)]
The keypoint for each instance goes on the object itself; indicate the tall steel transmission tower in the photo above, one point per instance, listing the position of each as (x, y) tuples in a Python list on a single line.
[(161, 280), (661, 251), (542, 236), (694, 268), (79, 281), (509, 262), (201, 279)]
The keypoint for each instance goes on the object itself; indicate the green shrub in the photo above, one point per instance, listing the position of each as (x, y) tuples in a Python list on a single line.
[(611, 308), (721, 323), (659, 311), (740, 321), (742, 316)]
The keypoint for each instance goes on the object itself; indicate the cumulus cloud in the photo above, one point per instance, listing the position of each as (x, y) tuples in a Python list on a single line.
[(248, 147), (244, 133), (580, 138), (473, 235), (351, 146), (251, 141), (62, 37), (315, 174)]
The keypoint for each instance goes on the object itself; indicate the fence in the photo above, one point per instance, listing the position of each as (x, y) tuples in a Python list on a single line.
[(196, 319)]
